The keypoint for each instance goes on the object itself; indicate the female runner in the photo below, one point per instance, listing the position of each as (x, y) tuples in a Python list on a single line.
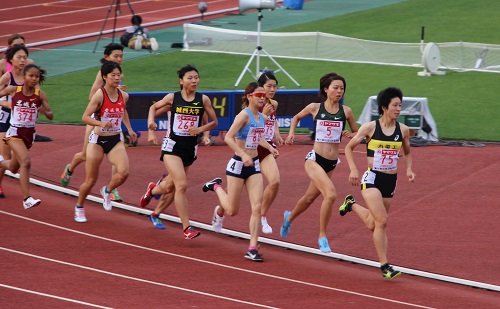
[(243, 169), (109, 106), (330, 118)]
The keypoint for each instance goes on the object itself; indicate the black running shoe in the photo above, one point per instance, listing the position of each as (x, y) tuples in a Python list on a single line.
[(254, 255), (389, 272), (209, 186), (347, 206)]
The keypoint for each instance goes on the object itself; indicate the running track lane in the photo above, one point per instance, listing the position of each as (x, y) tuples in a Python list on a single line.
[(319, 279), (114, 262), (431, 220), (52, 20)]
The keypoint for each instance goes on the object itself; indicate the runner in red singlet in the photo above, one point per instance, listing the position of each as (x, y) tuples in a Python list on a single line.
[(27, 102)]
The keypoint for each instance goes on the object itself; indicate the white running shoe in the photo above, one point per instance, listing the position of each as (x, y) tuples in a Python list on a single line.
[(31, 202), (266, 228), (80, 215), (217, 220), (1, 158), (154, 44), (106, 199), (138, 42)]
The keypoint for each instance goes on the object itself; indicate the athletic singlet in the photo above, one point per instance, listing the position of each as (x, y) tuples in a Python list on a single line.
[(24, 108), (111, 112), (8, 98), (329, 126), (184, 115), (8, 66), (252, 132), (384, 149), (270, 125)]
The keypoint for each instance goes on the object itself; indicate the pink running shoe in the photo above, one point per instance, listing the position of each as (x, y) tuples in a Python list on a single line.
[(146, 198)]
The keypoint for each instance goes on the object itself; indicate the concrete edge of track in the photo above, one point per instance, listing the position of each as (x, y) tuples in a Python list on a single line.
[(269, 241)]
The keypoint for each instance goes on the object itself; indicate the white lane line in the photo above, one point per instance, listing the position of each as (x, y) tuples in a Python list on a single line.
[(205, 262), (136, 279), (52, 296), (271, 241)]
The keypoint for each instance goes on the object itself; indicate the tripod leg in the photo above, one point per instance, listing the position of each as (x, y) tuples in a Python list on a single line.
[(104, 24), (130, 7), (281, 68), (247, 68), (117, 12)]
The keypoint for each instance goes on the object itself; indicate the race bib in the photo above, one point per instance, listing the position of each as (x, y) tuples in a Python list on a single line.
[(269, 127), (4, 116), (256, 165), (182, 123), (24, 116), (115, 118), (385, 159), (328, 131), (234, 166), (167, 144), (368, 178), (253, 137)]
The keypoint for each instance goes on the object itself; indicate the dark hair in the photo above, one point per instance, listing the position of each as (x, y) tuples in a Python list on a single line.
[(108, 50), (108, 67), (187, 68), (249, 89), (264, 77), (9, 54), (325, 82), (14, 37), (136, 20), (385, 96), (43, 73)]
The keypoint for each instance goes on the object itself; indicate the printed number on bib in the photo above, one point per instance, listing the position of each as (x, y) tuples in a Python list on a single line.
[(4, 116), (234, 166), (167, 144), (385, 159), (269, 126), (368, 178), (24, 115), (253, 137), (182, 123), (116, 122), (328, 131)]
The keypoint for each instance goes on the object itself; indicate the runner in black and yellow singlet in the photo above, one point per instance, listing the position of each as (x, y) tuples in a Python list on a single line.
[(385, 137)]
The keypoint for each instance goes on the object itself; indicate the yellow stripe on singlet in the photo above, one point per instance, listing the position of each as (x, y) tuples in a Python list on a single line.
[(375, 144)]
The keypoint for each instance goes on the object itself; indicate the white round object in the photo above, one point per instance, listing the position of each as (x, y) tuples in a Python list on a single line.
[(202, 7), (431, 58)]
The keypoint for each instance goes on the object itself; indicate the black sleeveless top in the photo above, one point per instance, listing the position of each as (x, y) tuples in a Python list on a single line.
[(323, 114), (380, 140), (182, 115)]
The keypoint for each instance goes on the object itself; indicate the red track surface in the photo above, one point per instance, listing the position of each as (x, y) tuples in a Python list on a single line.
[(444, 223), (50, 20), (129, 264)]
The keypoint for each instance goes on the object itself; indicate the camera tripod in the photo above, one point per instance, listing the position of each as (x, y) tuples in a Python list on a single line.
[(256, 53), (117, 13)]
